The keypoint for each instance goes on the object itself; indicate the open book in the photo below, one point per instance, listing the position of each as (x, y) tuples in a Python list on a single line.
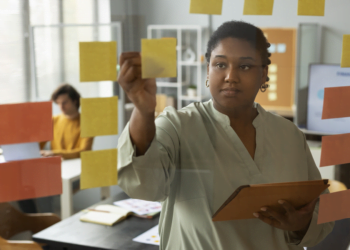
[(248, 199), (105, 214)]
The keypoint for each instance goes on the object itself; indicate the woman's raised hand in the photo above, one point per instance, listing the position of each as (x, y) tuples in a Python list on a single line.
[(142, 92)]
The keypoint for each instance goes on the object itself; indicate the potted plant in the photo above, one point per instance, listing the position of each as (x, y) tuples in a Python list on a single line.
[(192, 90)]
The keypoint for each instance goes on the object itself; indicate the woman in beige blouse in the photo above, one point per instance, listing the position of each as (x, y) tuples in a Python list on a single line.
[(194, 158)]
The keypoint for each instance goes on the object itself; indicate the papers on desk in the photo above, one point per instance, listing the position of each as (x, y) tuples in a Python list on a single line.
[(105, 215), (149, 237), (139, 207)]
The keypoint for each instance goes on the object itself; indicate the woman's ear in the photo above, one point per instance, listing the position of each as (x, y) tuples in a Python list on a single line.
[(265, 74)]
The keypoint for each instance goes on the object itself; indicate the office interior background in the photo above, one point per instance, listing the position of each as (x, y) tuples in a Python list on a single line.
[(39, 51)]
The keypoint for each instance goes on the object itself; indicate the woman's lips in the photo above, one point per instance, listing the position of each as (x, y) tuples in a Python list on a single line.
[(230, 92)]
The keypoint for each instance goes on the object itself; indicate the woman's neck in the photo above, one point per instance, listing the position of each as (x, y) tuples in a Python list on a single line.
[(239, 116), (72, 116)]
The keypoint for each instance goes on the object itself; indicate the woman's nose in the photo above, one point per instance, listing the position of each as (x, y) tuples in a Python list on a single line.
[(232, 75)]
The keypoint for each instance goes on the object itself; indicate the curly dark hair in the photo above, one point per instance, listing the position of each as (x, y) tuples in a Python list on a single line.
[(241, 30), (66, 88)]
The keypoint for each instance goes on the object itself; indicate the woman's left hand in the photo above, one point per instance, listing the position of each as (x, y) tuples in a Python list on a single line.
[(292, 220)]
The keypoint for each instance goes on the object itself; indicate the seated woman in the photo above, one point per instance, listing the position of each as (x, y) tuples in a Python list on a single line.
[(192, 159)]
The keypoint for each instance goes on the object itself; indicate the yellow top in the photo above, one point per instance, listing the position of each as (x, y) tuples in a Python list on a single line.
[(66, 138)]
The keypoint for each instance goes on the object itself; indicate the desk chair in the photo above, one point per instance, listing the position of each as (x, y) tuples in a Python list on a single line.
[(13, 222), (339, 238)]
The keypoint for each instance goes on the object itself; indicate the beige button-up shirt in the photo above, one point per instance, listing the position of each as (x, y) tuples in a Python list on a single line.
[(196, 161)]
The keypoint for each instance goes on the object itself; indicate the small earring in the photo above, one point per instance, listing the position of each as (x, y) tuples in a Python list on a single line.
[(206, 83), (264, 87)]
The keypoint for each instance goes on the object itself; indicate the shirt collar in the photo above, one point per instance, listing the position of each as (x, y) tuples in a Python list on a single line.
[(225, 120)]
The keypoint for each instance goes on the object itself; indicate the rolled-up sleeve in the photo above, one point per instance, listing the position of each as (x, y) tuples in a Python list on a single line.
[(316, 233), (149, 176)]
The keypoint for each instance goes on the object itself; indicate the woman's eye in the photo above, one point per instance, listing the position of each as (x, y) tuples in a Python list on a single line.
[(245, 67), (220, 65)]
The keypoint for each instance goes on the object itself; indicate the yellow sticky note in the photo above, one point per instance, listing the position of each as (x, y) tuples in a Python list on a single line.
[(258, 7), (98, 168), (98, 61), (158, 58), (311, 7), (211, 7), (99, 116), (345, 57)]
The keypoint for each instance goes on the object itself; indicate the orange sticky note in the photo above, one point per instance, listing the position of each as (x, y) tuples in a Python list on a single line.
[(334, 206), (345, 57), (336, 103), (335, 150), (26, 122), (210, 7), (29, 179), (311, 7), (258, 7)]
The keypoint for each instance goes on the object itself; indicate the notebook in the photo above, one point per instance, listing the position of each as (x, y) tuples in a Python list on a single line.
[(248, 199), (105, 215)]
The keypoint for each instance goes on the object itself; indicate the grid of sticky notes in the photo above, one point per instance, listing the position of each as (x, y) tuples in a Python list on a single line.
[(258, 7), (311, 7), (99, 168), (99, 116), (334, 151), (98, 61), (345, 58), (27, 124), (210, 7), (158, 58)]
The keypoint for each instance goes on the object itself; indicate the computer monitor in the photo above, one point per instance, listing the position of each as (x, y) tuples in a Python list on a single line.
[(322, 76)]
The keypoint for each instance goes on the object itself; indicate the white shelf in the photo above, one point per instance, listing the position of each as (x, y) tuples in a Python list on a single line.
[(186, 71), (129, 106), (169, 84), (175, 27)]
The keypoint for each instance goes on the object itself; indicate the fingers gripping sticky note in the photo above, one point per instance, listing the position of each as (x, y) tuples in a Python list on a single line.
[(98, 61), (158, 58), (336, 102), (334, 206), (335, 150), (211, 7), (258, 7), (99, 168), (345, 57), (311, 7), (99, 116)]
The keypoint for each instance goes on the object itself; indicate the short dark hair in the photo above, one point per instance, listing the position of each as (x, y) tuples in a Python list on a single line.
[(241, 30), (66, 88)]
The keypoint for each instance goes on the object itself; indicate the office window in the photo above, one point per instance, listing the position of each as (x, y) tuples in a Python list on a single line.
[(46, 45), (13, 87)]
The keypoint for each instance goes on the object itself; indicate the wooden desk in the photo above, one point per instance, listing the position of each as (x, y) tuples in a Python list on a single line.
[(71, 233)]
